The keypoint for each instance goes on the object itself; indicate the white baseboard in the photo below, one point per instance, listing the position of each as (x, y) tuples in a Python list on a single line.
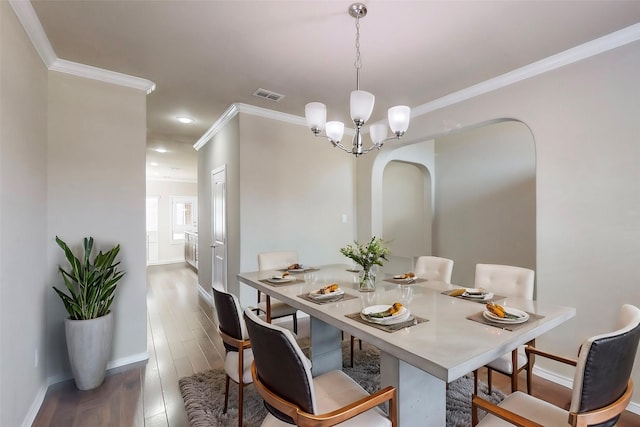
[(206, 294), (35, 406), (165, 262), (568, 383), (113, 366)]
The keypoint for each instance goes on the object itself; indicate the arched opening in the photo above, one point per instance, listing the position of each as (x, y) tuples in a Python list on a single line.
[(483, 198)]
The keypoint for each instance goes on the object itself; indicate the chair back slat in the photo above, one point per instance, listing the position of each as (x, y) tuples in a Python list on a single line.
[(604, 366), (229, 320), (281, 366)]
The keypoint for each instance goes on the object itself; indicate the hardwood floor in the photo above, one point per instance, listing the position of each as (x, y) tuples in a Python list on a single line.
[(181, 339)]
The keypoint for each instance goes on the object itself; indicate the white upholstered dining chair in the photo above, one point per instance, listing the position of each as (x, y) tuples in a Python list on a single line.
[(434, 268), (507, 281), (274, 308)]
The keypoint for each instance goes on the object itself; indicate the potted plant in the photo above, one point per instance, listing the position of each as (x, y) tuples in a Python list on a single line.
[(367, 256), (91, 286)]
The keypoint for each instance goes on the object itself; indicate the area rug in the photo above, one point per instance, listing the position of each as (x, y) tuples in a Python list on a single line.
[(203, 394)]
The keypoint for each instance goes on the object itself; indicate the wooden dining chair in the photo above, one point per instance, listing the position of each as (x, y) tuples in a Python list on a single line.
[(282, 376), (274, 308), (602, 385), (238, 356), (507, 281), (434, 268)]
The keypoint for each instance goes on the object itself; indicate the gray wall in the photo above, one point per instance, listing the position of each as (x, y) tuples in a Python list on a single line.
[(72, 163), (485, 209), (96, 187), (24, 277), (407, 209), (286, 190), (584, 120), (222, 149)]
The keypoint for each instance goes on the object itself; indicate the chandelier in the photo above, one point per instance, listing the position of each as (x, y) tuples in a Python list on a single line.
[(361, 107)]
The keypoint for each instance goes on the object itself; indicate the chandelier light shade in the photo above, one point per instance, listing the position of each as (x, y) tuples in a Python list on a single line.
[(361, 107)]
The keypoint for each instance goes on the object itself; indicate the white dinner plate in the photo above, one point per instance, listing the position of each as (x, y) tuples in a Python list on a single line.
[(278, 279), (475, 294), (398, 317), (317, 295), (523, 316)]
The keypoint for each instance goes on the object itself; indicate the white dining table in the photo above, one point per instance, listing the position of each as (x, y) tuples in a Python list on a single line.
[(418, 360)]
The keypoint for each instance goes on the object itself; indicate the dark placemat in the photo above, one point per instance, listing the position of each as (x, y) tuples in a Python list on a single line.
[(411, 321), (337, 298), (404, 281), (477, 300), (478, 317), (293, 282), (306, 270)]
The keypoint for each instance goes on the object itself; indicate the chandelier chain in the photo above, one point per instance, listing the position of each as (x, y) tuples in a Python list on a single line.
[(358, 62)]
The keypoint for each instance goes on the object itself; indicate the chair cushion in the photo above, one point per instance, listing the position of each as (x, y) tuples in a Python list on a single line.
[(278, 308), (334, 390), (529, 407), (504, 365), (231, 366)]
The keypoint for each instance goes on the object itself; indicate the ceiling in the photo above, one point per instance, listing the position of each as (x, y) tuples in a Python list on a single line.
[(206, 55)]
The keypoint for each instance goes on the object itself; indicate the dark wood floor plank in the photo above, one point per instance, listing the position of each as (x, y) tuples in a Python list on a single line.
[(131, 402)]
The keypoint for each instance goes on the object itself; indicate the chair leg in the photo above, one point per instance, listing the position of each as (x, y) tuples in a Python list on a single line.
[(240, 390), (295, 323), (489, 379), (226, 394), (352, 343), (240, 384), (475, 382)]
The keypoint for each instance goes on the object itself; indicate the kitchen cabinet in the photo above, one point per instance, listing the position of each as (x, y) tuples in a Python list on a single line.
[(191, 249)]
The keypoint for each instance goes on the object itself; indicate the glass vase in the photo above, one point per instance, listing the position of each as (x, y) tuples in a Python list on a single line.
[(368, 280)]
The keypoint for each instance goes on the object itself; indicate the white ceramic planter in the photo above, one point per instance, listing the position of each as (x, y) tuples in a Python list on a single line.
[(89, 346)]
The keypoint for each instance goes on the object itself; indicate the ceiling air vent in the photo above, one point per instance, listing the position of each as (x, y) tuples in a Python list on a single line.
[(267, 94)]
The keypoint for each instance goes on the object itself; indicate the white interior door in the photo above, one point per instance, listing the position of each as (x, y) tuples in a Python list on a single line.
[(219, 227)]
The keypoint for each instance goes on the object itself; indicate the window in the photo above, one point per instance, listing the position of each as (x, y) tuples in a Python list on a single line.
[(184, 217)]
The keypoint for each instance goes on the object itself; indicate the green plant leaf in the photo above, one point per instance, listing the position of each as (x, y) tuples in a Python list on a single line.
[(90, 284)]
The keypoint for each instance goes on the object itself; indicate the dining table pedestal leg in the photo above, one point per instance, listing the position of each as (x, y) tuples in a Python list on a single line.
[(422, 397), (326, 347)]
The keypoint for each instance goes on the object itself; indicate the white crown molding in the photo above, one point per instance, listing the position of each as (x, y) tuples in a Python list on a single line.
[(32, 26), (594, 47), (238, 107), (94, 73), (216, 126), (569, 56)]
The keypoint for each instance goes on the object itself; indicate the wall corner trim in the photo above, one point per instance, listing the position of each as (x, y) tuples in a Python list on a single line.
[(32, 26)]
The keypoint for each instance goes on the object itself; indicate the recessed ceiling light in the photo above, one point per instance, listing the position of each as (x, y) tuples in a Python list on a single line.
[(160, 150), (185, 120), (153, 164)]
